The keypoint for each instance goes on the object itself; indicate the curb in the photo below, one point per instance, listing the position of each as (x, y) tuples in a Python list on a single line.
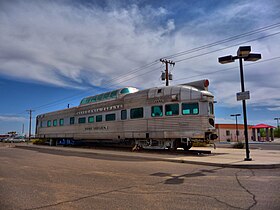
[(222, 165)]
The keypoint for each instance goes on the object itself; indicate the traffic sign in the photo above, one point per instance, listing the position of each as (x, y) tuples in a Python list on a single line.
[(243, 95)]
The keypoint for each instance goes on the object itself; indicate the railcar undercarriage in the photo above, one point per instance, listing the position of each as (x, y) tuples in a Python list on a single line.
[(171, 144)]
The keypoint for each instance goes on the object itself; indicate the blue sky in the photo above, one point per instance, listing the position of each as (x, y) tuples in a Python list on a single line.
[(54, 53)]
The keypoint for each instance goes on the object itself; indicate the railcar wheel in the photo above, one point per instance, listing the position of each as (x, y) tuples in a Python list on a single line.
[(172, 148), (187, 147)]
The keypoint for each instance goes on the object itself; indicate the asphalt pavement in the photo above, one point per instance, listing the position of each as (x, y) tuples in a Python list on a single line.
[(55, 178)]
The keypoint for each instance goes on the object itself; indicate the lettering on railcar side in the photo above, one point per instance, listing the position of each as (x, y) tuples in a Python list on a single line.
[(96, 128), (100, 109)]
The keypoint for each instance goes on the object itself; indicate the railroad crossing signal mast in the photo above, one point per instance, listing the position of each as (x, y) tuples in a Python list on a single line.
[(166, 75)]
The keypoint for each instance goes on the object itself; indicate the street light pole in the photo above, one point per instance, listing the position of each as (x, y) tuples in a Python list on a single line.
[(242, 53), (277, 118), (278, 131), (244, 111)]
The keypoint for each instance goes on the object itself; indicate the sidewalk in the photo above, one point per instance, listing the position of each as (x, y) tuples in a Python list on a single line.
[(220, 157)]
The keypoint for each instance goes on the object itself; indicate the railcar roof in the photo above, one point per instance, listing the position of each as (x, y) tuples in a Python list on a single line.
[(108, 95)]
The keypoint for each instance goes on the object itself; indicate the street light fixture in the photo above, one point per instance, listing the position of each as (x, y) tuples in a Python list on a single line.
[(242, 53), (236, 125), (277, 118), (278, 131)]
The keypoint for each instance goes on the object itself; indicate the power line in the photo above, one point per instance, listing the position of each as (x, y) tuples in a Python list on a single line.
[(174, 55), (266, 28), (63, 101), (240, 43), (59, 101), (227, 69)]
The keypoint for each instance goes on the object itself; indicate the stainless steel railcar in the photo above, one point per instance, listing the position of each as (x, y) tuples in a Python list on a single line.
[(159, 117)]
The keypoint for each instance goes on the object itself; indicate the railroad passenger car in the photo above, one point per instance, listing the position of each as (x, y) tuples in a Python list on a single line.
[(159, 117)]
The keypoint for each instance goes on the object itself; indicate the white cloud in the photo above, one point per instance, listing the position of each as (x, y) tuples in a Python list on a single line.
[(6, 118), (274, 108), (76, 46), (66, 46)]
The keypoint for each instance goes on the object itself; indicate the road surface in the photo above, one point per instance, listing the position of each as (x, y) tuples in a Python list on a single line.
[(47, 179)]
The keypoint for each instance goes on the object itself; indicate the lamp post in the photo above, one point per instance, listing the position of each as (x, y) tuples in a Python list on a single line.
[(277, 118), (243, 53), (236, 125), (278, 131)]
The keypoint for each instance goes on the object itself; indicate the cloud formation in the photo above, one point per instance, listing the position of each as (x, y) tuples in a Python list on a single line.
[(81, 46), (5, 118)]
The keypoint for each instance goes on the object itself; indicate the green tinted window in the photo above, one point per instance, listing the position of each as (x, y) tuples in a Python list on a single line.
[(157, 111), (98, 118), (93, 99), (72, 120), (61, 122), (82, 120), (211, 108), (106, 96), (110, 117), (54, 122), (113, 94), (91, 119), (171, 109), (188, 109), (49, 124), (123, 115), (83, 101), (99, 97), (124, 91), (136, 113)]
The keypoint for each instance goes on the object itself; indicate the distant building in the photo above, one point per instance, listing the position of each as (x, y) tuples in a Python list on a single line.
[(227, 132), (2, 136)]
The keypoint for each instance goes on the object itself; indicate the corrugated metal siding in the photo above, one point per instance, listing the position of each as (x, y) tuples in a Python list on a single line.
[(159, 127)]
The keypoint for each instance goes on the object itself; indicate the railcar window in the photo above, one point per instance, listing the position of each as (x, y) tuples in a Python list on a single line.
[(99, 97), (211, 108), (91, 119), (113, 94), (123, 115), (171, 109), (82, 120), (136, 113), (54, 122), (41, 124), (188, 109), (72, 120), (98, 118), (110, 117), (124, 91), (93, 99), (157, 111), (85, 101), (106, 95), (61, 122), (49, 124)]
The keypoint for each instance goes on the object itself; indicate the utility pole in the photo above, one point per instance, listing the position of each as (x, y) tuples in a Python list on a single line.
[(166, 69), (30, 118)]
